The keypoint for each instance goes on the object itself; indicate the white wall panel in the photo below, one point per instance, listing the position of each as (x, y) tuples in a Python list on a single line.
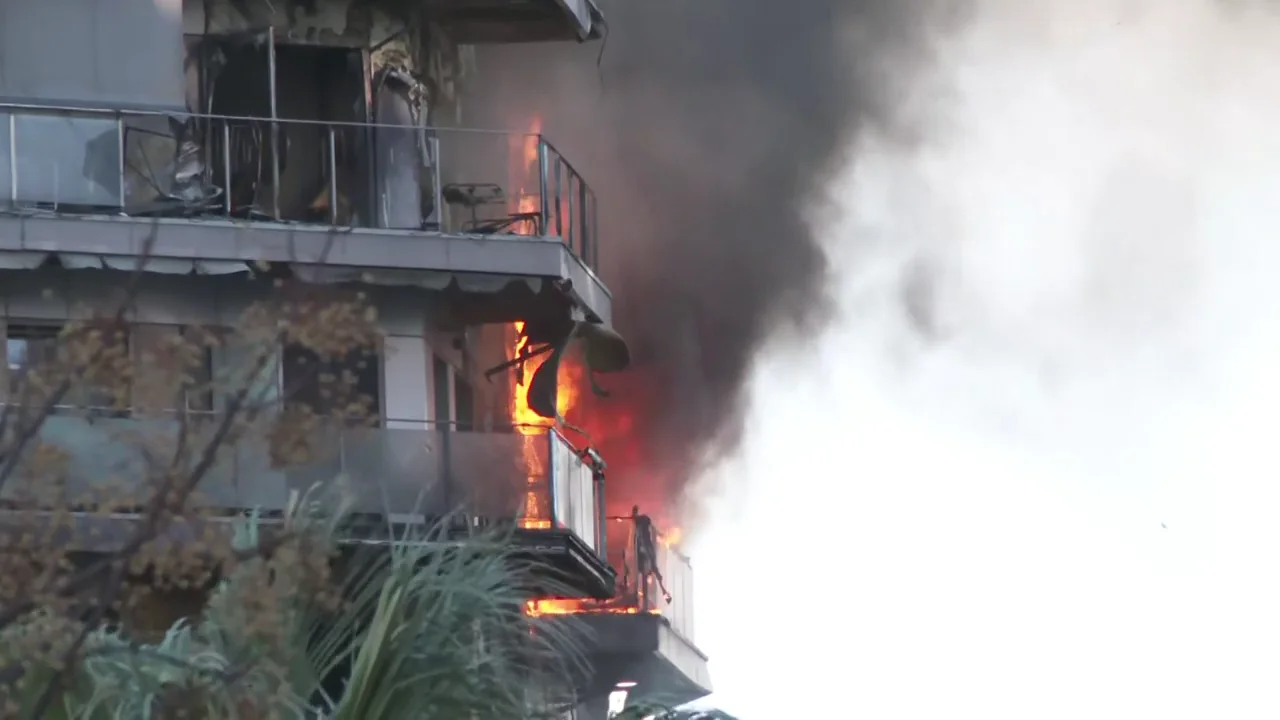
[(405, 381)]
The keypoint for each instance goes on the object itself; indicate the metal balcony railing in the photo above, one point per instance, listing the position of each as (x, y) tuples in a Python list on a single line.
[(643, 591), (349, 175), (404, 474)]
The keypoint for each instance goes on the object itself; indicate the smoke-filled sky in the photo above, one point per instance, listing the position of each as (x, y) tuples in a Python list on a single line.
[(1028, 471), (706, 128)]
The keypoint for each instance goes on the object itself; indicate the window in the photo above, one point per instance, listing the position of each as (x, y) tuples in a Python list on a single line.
[(105, 388), (27, 348), (234, 362), (198, 393), (329, 386), (170, 378), (33, 347)]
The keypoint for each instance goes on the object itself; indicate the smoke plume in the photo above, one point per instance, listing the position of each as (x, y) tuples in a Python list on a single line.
[(709, 131), (1044, 455)]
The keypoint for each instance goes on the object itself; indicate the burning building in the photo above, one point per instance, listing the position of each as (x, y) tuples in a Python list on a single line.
[(330, 140)]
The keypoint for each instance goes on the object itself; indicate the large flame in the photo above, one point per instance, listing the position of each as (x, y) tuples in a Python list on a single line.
[(524, 178), (523, 173), (533, 428), (609, 423)]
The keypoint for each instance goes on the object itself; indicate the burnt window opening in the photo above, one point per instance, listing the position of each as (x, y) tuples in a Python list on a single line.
[(313, 86), (329, 386)]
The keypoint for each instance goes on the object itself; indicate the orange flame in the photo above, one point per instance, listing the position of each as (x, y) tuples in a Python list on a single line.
[(523, 170), (623, 604), (539, 608), (524, 173), (534, 428)]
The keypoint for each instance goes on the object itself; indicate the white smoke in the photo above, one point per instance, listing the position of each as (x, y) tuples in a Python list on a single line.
[(1031, 473)]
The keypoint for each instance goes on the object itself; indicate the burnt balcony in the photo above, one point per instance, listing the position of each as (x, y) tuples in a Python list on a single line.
[(534, 485), (411, 199), (642, 643)]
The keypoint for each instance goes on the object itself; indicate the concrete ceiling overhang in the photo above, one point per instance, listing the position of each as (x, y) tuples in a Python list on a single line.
[(478, 22), (432, 261)]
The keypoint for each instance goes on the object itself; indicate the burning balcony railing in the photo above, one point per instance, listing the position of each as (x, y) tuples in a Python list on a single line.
[(406, 474), (349, 175), (667, 592)]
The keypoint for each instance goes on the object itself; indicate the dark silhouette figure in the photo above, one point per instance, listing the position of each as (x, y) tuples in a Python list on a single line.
[(644, 544)]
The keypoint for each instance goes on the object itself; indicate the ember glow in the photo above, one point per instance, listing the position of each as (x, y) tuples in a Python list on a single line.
[(638, 474), (538, 608)]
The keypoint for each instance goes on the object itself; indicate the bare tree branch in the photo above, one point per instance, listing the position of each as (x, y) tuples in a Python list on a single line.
[(28, 431)]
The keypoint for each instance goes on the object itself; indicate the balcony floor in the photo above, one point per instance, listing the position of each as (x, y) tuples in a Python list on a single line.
[(217, 240), (642, 649)]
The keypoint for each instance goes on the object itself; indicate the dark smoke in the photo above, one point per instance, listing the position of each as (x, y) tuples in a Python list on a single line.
[(709, 130)]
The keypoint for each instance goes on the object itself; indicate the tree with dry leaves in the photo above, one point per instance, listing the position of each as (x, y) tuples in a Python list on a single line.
[(131, 587)]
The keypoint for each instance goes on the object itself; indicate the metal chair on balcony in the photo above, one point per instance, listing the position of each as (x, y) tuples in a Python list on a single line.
[(474, 196)]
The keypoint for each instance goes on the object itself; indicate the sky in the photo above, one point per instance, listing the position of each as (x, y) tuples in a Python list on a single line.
[(1029, 471)]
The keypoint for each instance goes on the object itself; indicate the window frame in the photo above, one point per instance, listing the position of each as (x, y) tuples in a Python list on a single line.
[(376, 354), (46, 331), (211, 399), (80, 397)]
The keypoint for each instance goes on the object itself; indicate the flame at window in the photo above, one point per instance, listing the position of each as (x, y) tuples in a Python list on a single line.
[(536, 513), (523, 179)]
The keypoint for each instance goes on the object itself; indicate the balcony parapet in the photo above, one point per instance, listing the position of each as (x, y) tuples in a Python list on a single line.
[(667, 592), (413, 473), (450, 181)]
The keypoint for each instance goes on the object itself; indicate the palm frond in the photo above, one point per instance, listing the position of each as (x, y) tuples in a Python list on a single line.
[(433, 626), (445, 635)]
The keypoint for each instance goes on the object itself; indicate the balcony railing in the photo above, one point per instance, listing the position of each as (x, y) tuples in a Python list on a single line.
[(639, 590), (533, 481), (678, 576), (349, 175), (646, 593)]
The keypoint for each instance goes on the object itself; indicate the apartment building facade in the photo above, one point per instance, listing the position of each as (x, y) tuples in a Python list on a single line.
[(327, 137)]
